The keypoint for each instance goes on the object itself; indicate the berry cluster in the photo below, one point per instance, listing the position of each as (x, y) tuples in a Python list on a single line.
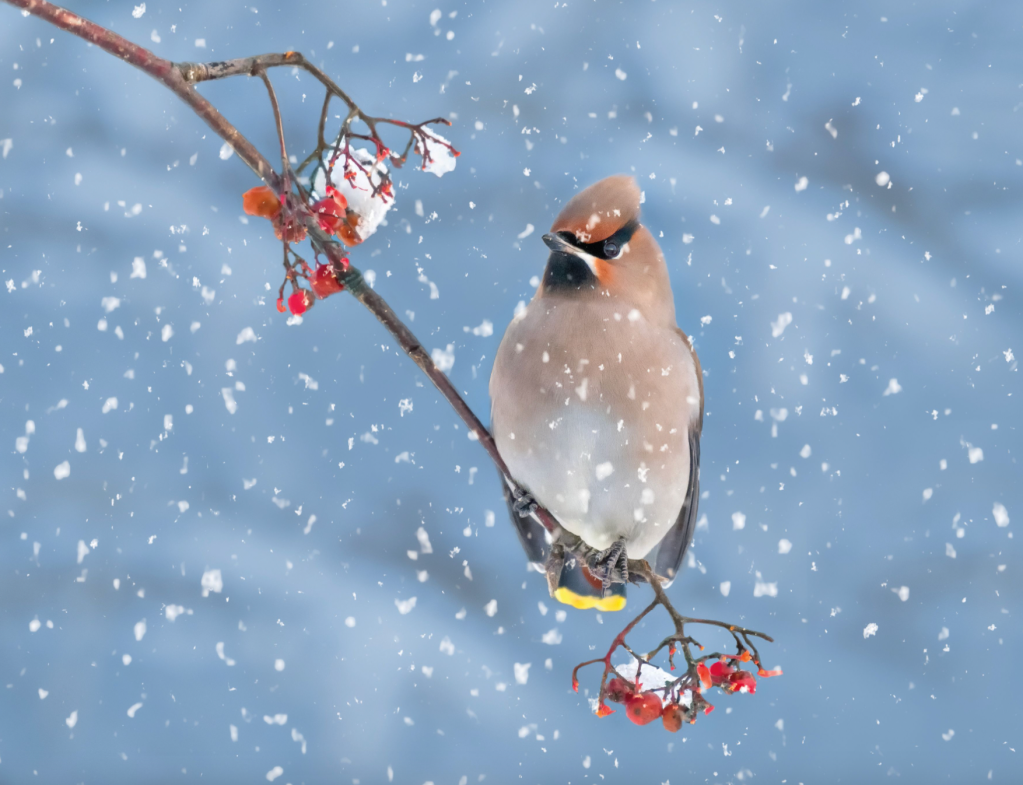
[(288, 221), (648, 692)]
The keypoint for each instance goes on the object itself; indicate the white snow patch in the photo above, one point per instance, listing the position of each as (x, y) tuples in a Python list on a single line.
[(882, 179), (248, 334), (778, 326), (140, 629), (1001, 514), (893, 387), (521, 672), (552, 637), (903, 592), (405, 606), (738, 521), (490, 608), (764, 589), (224, 657), (442, 160), (870, 629), (229, 402), (424, 540), (134, 708), (801, 184), (725, 587), (784, 546), (444, 359), (359, 190), (274, 773), (72, 719), (62, 470), (212, 580)]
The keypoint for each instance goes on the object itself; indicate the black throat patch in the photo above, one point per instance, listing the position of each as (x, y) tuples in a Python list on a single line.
[(567, 272)]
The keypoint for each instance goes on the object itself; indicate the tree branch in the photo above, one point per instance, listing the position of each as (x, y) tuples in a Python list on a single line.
[(179, 78)]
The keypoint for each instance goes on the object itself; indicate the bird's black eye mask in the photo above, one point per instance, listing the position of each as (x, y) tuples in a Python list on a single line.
[(604, 249)]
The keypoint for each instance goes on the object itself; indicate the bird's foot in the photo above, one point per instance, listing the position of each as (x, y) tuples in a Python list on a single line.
[(611, 565), (523, 504)]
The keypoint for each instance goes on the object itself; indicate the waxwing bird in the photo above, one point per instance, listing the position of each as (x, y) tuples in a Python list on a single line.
[(597, 400)]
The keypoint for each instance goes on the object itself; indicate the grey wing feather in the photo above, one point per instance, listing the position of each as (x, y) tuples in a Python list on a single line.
[(675, 543)]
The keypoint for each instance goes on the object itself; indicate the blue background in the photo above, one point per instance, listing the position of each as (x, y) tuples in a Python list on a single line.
[(931, 265)]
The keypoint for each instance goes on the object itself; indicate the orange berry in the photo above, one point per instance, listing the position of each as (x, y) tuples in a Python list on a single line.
[(261, 201), (347, 230), (704, 673), (672, 717)]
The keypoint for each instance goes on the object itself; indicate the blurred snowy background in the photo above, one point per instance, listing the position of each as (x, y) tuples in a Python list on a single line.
[(838, 190)]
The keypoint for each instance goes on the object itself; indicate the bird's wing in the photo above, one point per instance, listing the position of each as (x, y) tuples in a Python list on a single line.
[(675, 543)]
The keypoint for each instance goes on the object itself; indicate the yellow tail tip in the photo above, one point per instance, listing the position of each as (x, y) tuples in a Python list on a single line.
[(584, 602)]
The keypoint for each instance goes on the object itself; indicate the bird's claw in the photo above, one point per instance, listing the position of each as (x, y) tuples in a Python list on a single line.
[(611, 565), (523, 503), (554, 566)]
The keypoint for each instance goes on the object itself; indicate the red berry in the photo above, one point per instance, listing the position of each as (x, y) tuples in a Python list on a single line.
[(337, 196), (743, 681), (720, 672), (672, 717), (643, 708), (300, 302), (280, 305), (619, 690), (324, 282)]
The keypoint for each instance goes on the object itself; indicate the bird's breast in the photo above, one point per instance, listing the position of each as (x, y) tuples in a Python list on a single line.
[(591, 410)]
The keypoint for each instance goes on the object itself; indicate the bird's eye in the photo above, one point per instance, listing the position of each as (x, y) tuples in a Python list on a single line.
[(610, 249)]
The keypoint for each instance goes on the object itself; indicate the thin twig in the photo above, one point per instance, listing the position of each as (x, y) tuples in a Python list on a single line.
[(278, 122)]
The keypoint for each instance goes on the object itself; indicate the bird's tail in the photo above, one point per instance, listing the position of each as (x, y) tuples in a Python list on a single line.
[(581, 589)]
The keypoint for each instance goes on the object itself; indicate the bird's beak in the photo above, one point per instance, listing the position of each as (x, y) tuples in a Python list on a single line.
[(555, 243)]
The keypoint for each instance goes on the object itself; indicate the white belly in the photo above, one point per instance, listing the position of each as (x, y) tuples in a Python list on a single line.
[(599, 432)]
